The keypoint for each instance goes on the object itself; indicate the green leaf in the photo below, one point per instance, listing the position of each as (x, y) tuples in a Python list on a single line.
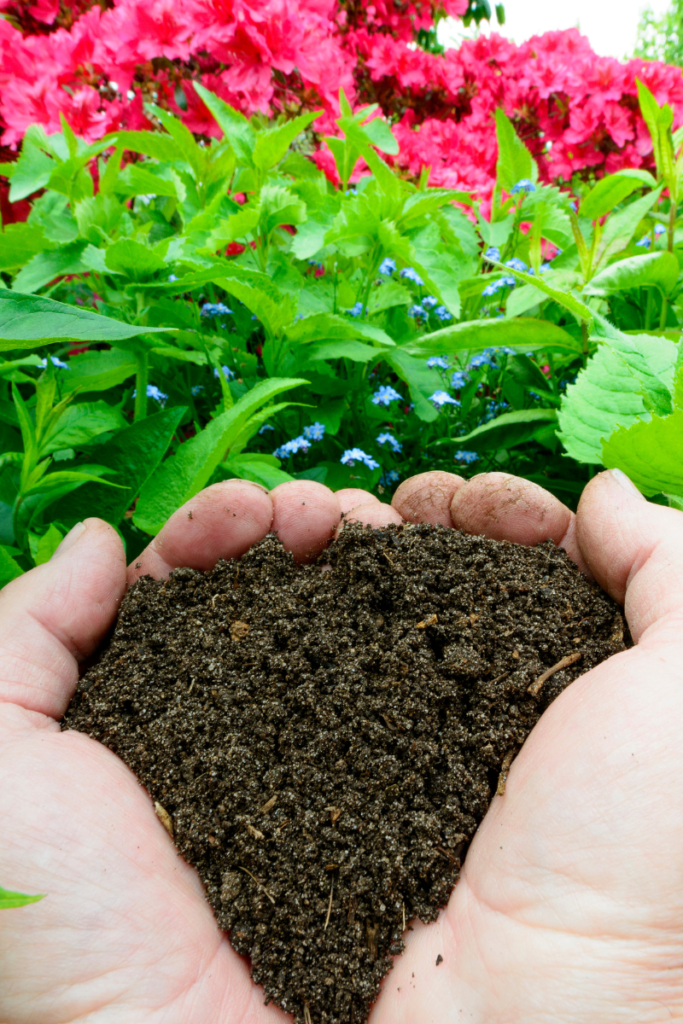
[(505, 431), (323, 327), (252, 466), (514, 159), (230, 229), (274, 308), (46, 266), (47, 545), (9, 570), (621, 226), (234, 125), (79, 424), (98, 371), (608, 193), (183, 138), (279, 206), (19, 243), (653, 268), (524, 334), (356, 351), (651, 453), (185, 473), (154, 144), (571, 302), (379, 134), (133, 454), (136, 180), (624, 377), (421, 380), (16, 899), (135, 260), (27, 319), (34, 167), (272, 144)]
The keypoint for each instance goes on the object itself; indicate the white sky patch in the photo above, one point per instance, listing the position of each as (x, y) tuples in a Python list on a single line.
[(611, 25)]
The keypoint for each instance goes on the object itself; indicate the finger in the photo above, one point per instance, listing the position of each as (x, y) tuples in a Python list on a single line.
[(505, 507), (55, 616), (306, 514), (635, 551), (350, 497), (427, 497), (374, 514), (222, 521)]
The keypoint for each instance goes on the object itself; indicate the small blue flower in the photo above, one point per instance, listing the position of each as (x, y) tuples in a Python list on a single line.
[(389, 439), (172, 277), (492, 288), (524, 185), (387, 479), (411, 275), (644, 242), (215, 309), (442, 313), (660, 229), (416, 311), (196, 390), (466, 457), (356, 309), (438, 361), (55, 362), (459, 379), (516, 264), (227, 373), (353, 455), (493, 253), (441, 398), (385, 395), (265, 428), (153, 392), (315, 432), (481, 359), (429, 302), (387, 266), (545, 266), (351, 192), (297, 444)]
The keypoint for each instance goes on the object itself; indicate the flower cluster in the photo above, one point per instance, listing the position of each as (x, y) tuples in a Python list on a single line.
[(97, 64)]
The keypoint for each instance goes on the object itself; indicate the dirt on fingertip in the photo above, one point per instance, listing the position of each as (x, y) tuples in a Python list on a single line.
[(322, 741)]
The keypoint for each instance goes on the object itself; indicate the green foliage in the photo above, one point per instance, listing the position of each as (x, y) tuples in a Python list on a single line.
[(9, 900), (660, 37), (152, 329)]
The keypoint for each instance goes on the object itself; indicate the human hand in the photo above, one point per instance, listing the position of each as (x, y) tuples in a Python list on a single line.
[(126, 934)]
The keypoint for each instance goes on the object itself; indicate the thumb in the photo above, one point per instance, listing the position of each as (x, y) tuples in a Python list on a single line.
[(635, 551)]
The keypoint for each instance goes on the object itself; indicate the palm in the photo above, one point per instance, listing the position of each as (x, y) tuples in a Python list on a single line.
[(569, 908)]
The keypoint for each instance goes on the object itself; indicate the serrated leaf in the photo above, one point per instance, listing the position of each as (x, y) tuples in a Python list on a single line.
[(614, 390), (653, 268), (234, 125), (515, 162), (154, 144), (135, 260), (9, 570), (27, 319), (651, 454), (136, 180), (79, 425), (19, 243), (185, 473), (505, 431), (230, 229)]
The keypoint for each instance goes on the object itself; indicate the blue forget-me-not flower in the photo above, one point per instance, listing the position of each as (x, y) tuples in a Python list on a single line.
[(387, 266), (389, 439), (411, 275), (315, 432), (440, 362), (55, 362), (441, 398), (466, 457), (524, 185), (385, 395), (353, 455)]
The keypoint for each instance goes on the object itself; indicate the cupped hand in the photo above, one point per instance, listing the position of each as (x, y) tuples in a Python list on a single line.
[(570, 904)]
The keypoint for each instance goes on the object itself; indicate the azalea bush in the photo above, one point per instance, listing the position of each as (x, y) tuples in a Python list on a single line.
[(100, 65), (176, 313)]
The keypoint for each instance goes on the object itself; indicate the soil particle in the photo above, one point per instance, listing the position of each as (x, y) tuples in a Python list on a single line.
[(322, 745)]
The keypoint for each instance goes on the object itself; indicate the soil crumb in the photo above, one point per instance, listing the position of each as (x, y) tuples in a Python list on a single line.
[(322, 741)]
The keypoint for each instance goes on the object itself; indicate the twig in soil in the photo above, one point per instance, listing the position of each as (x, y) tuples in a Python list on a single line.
[(504, 769), (329, 908), (268, 805), (563, 663), (307, 1014), (262, 886), (431, 620)]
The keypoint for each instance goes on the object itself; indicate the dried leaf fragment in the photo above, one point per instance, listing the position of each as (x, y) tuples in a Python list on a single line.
[(254, 832), (268, 805), (334, 813), (164, 817), (431, 620), (239, 630)]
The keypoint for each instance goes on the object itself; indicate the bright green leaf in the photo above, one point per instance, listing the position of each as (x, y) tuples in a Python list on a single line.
[(651, 454), (505, 431), (653, 268), (16, 899)]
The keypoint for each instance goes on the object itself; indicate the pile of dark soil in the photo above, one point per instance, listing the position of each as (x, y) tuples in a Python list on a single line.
[(323, 742)]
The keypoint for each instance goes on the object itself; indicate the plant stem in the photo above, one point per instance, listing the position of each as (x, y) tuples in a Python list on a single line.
[(649, 309), (672, 225), (665, 309), (141, 382)]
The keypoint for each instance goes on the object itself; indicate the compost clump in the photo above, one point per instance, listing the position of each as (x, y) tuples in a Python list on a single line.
[(322, 741)]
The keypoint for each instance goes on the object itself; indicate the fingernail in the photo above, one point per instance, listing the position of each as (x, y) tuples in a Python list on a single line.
[(626, 484), (72, 536)]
